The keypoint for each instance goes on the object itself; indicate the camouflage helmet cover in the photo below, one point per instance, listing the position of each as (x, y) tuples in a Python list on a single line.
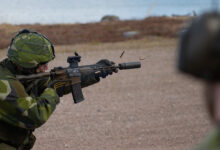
[(28, 49)]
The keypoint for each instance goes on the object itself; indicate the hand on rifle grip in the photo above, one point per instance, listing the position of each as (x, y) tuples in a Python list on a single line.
[(106, 68), (59, 86)]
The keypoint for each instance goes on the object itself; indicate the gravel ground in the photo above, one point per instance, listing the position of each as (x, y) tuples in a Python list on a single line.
[(152, 108)]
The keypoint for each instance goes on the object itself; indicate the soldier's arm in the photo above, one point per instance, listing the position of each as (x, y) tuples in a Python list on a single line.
[(20, 109)]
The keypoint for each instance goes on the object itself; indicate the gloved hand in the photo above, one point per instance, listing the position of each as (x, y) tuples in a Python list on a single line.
[(59, 86), (105, 64)]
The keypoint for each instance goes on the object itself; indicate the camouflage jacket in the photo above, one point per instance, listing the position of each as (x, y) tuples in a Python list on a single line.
[(212, 142), (19, 108), (26, 106)]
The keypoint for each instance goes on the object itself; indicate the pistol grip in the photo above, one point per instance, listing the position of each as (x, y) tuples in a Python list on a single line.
[(77, 93)]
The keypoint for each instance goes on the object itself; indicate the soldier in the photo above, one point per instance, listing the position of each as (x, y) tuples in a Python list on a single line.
[(26, 106), (199, 56)]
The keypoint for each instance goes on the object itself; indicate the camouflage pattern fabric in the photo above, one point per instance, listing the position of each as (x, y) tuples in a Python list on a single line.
[(4, 146), (212, 142), (30, 49), (17, 107)]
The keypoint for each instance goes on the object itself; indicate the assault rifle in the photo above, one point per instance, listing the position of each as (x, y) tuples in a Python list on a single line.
[(72, 73)]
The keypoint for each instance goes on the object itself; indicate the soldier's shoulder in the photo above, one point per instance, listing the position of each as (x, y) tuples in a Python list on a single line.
[(5, 74), (212, 142)]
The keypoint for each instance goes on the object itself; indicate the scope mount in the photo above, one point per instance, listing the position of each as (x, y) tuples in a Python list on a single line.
[(74, 60)]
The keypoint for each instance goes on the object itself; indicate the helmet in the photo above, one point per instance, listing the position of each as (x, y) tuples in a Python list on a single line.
[(28, 49), (199, 49)]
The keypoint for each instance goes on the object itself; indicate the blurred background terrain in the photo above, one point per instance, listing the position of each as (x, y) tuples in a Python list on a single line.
[(153, 108), (109, 31)]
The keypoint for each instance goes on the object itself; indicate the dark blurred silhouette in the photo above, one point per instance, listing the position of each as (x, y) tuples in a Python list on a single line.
[(199, 56)]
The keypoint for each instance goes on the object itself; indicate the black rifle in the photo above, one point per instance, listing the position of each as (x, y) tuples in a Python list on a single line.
[(73, 74)]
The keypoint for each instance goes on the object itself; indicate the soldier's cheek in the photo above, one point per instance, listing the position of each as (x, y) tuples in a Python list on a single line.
[(42, 68)]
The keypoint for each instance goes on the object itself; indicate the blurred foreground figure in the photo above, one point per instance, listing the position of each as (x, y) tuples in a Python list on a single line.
[(25, 106), (199, 56)]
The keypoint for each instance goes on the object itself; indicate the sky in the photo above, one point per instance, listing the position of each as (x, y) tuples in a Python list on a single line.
[(73, 11)]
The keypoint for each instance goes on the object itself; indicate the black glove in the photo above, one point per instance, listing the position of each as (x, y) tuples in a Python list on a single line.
[(107, 70), (59, 86)]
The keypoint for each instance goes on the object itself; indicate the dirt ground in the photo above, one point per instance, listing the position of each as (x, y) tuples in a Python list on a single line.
[(152, 108)]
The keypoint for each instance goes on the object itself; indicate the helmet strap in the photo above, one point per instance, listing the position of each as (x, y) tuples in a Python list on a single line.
[(25, 71)]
